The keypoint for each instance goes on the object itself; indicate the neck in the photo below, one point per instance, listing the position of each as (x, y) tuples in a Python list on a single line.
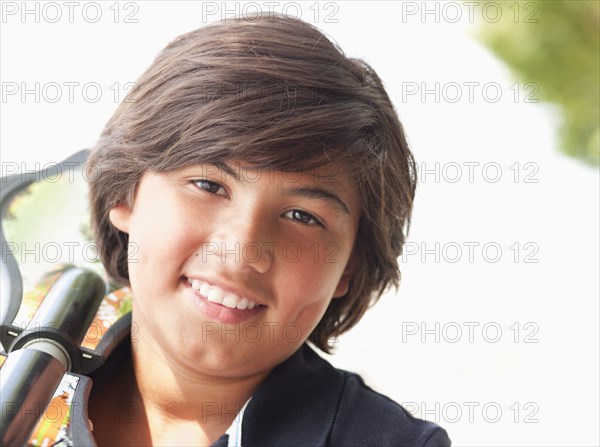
[(180, 403)]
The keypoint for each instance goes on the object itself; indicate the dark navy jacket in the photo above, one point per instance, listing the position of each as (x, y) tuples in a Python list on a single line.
[(318, 405), (304, 401)]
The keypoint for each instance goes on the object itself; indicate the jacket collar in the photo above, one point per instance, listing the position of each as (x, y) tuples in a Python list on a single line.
[(297, 403)]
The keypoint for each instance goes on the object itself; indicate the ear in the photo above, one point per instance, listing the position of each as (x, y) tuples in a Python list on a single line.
[(344, 284), (120, 216)]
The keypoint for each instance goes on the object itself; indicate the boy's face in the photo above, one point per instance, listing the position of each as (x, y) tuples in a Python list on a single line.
[(230, 275)]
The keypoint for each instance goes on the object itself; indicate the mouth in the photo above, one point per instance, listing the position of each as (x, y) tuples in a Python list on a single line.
[(219, 304)]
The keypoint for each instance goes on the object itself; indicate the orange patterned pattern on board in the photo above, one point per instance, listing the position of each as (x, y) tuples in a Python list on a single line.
[(113, 306), (53, 426)]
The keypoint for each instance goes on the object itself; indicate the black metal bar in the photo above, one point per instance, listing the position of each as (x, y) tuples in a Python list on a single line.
[(45, 350)]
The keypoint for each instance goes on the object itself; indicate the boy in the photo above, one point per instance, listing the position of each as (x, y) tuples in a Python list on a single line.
[(253, 191)]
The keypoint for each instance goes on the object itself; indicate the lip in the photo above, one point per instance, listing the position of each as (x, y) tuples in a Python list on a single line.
[(218, 312)]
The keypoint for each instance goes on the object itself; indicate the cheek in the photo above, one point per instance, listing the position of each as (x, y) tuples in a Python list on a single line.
[(307, 288), (312, 281), (161, 243)]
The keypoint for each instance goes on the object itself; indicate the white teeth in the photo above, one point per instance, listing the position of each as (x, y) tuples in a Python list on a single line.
[(217, 295), (204, 288), (230, 300)]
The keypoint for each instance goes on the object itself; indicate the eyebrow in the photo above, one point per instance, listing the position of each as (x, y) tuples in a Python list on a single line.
[(318, 193), (309, 192), (228, 170)]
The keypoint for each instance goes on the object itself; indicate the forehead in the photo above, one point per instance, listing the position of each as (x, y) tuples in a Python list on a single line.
[(330, 173)]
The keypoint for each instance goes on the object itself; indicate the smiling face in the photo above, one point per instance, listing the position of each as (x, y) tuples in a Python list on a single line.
[(232, 268)]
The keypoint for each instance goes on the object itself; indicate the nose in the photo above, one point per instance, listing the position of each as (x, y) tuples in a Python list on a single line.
[(242, 240)]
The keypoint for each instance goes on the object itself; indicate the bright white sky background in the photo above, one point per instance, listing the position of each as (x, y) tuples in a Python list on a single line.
[(527, 373)]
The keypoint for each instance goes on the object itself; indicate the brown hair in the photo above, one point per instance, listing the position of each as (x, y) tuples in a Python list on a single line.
[(276, 93)]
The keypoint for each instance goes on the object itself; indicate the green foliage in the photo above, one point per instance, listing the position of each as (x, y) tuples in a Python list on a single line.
[(556, 44), (47, 224), (126, 306)]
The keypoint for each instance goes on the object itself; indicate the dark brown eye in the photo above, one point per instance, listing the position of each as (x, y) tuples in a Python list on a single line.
[(210, 187), (303, 217)]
